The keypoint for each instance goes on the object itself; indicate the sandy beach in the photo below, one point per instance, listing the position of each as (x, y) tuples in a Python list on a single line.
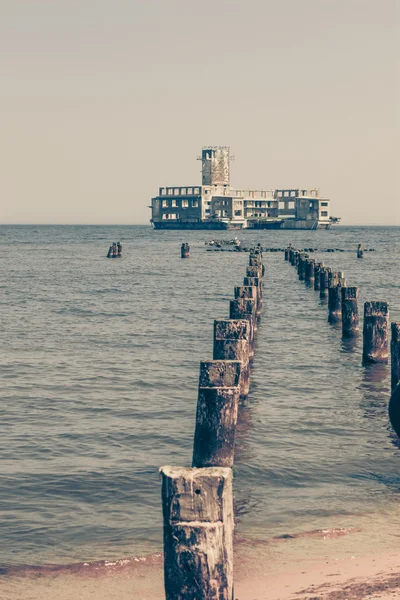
[(331, 564)]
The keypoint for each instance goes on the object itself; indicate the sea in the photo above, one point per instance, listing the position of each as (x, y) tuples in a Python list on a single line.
[(100, 365)]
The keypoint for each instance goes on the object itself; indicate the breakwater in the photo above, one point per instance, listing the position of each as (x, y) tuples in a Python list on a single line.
[(101, 384)]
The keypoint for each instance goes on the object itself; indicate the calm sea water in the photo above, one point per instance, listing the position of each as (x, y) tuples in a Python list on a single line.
[(100, 362)]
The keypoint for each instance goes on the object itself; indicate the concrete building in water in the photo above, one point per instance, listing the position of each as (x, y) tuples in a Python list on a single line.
[(216, 205)]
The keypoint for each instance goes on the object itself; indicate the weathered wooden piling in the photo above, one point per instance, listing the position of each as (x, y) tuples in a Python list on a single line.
[(360, 251), (232, 342), (375, 332), (324, 282), (254, 271), (350, 318), (335, 301), (287, 250), (395, 354), (185, 250), (301, 266), (216, 415), (245, 308), (255, 261), (309, 271), (317, 271), (198, 533), (257, 282)]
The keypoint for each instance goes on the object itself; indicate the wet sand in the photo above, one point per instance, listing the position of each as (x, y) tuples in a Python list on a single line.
[(332, 564)]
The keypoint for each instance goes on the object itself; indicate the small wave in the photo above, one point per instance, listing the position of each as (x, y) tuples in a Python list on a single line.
[(329, 533), (98, 567)]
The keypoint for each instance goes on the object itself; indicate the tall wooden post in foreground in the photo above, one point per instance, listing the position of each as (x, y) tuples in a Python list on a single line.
[(232, 342), (395, 354), (350, 318), (198, 533), (375, 333), (216, 416)]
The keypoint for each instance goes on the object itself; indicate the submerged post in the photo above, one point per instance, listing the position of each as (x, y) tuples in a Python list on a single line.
[(245, 308), (350, 318), (324, 282), (216, 415), (185, 250), (395, 354), (257, 282), (309, 271), (375, 332), (301, 266), (198, 533), (317, 271), (335, 301), (232, 342)]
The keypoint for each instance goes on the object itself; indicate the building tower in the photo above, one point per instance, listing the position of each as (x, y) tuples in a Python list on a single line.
[(215, 165)]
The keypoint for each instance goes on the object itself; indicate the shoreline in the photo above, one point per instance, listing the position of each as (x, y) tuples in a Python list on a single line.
[(326, 564)]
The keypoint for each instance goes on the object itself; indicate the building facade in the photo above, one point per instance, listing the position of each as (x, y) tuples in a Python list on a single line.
[(216, 205)]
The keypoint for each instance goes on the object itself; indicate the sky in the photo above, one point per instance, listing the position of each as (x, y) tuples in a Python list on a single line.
[(104, 101)]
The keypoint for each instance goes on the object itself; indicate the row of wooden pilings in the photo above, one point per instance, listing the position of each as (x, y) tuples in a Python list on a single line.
[(197, 502), (343, 308)]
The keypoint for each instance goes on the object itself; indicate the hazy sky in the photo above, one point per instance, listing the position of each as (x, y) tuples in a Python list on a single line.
[(103, 101)]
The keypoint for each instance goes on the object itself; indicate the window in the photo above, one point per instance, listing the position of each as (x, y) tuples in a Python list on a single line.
[(170, 191), (174, 203), (324, 204), (207, 211), (324, 213), (183, 191), (238, 213), (291, 205), (185, 203), (281, 205), (164, 204), (195, 203), (196, 190)]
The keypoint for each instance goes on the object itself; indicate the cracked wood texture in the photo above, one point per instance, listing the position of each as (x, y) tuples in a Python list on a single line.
[(198, 533), (216, 415)]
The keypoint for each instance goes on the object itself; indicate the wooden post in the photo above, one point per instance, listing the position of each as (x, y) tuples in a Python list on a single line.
[(232, 342), (257, 282), (301, 267), (317, 271), (245, 308), (198, 533), (185, 250), (255, 261), (335, 301), (216, 416), (350, 319), (287, 253), (254, 271), (324, 282), (309, 271), (375, 332), (360, 251), (395, 354)]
